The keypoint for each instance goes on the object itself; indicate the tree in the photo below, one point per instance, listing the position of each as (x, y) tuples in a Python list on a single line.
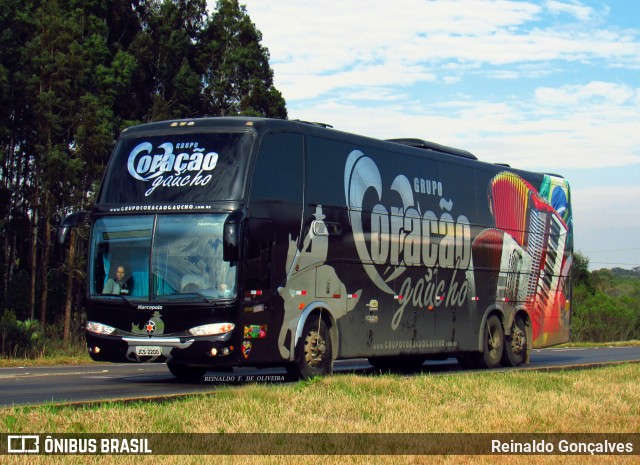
[(581, 275), (168, 82), (67, 75), (16, 26), (57, 123), (236, 73), (73, 74)]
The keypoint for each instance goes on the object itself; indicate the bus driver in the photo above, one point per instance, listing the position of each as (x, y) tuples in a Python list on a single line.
[(117, 285)]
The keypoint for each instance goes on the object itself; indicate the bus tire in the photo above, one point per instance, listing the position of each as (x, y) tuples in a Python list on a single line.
[(187, 372), (491, 355), (313, 351), (515, 345)]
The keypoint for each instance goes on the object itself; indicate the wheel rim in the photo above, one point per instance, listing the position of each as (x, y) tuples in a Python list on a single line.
[(315, 349), (494, 342), (518, 340)]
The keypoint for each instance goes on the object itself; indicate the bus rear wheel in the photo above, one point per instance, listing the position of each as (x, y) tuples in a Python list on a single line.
[(314, 351), (515, 345), (187, 372), (491, 356)]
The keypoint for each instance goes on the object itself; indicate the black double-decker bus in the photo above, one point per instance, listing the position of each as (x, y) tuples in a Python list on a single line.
[(225, 242)]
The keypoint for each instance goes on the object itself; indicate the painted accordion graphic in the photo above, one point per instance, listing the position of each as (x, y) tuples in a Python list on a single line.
[(522, 261)]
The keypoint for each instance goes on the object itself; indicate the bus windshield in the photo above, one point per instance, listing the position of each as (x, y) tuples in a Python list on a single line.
[(160, 257), (177, 168)]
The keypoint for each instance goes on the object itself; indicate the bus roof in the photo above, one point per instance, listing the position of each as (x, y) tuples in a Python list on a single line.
[(263, 123)]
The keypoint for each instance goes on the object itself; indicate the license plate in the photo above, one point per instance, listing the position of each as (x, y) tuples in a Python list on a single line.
[(148, 351)]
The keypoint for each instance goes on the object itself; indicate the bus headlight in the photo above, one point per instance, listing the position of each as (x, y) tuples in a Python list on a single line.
[(212, 329), (99, 328)]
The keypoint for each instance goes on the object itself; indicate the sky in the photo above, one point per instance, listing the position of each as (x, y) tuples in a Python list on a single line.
[(549, 86)]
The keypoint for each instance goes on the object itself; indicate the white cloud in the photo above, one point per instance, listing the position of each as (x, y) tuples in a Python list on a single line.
[(558, 83), (318, 46), (304, 39), (587, 126), (367, 66), (299, 84), (583, 13), (593, 92)]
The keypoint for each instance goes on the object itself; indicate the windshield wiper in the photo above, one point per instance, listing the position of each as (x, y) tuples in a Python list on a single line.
[(131, 304), (186, 295)]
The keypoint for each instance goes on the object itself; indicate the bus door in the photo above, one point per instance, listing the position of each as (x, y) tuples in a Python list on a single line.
[(271, 312)]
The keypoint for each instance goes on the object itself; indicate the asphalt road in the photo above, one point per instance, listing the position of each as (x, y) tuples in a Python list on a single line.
[(100, 382)]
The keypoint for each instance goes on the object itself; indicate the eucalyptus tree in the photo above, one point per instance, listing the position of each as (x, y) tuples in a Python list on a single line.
[(73, 74), (238, 79)]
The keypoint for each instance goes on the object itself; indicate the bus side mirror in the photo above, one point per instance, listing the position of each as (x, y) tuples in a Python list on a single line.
[(232, 236), (64, 230)]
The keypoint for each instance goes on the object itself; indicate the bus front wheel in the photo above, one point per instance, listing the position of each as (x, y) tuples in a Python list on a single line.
[(314, 351)]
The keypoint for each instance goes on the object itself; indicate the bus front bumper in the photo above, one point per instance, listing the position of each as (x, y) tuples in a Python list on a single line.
[(200, 350)]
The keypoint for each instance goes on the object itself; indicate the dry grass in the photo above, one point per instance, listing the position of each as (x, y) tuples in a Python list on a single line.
[(324, 460), (603, 400)]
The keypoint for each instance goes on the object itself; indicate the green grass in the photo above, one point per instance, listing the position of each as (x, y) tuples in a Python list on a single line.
[(601, 344), (595, 400), (53, 353)]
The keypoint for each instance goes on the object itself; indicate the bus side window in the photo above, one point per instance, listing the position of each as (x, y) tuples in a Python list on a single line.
[(278, 175)]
